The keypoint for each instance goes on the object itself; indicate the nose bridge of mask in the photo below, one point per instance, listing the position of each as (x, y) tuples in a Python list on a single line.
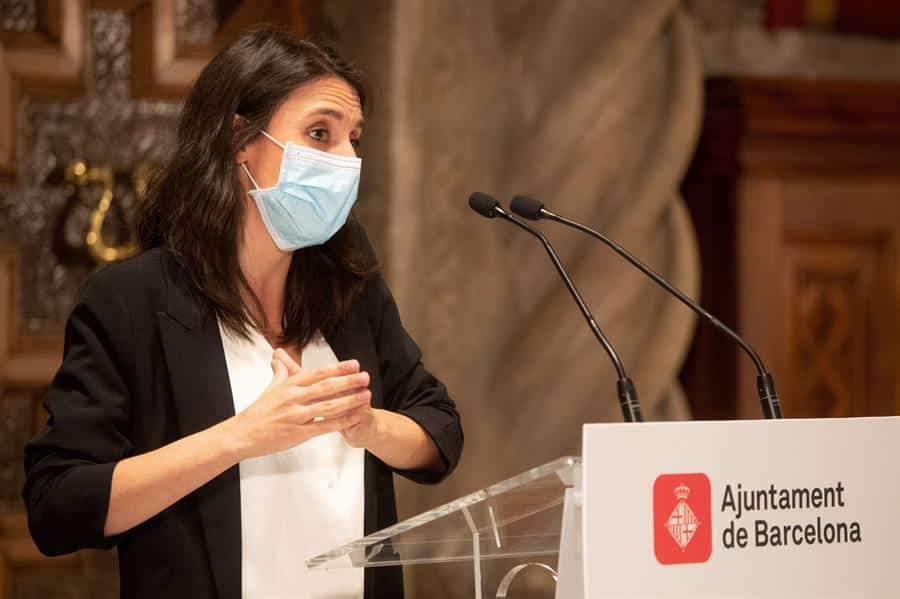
[(295, 150), (322, 159)]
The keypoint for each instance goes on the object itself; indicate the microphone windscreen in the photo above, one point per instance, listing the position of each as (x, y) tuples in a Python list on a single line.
[(526, 207), (483, 204)]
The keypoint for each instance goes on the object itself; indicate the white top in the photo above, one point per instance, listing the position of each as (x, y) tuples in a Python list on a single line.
[(297, 503)]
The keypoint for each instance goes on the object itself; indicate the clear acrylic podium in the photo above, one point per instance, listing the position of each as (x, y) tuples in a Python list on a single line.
[(528, 517)]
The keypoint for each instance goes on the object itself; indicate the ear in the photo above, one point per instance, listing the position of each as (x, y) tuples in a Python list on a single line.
[(237, 121)]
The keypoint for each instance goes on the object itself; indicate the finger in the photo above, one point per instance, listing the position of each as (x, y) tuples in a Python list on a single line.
[(335, 424), (306, 379), (279, 372), (335, 408), (301, 398), (292, 366), (336, 385)]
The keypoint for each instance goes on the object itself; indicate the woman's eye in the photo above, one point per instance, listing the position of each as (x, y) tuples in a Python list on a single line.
[(319, 134)]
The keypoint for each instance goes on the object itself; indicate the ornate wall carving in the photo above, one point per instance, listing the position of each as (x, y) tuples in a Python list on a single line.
[(47, 216), (19, 15), (28, 360), (95, 83), (40, 56), (832, 284), (172, 40)]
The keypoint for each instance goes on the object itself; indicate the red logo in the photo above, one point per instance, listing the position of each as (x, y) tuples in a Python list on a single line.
[(682, 518)]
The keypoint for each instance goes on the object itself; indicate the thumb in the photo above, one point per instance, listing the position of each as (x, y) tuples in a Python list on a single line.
[(289, 363), (279, 371)]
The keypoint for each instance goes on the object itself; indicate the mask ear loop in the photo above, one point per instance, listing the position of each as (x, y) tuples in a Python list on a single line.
[(272, 139), (247, 170), (244, 164)]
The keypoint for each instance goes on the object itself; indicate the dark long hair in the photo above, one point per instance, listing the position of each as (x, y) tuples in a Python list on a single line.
[(196, 205)]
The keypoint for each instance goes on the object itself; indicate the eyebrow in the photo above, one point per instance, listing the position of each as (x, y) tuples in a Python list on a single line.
[(337, 114)]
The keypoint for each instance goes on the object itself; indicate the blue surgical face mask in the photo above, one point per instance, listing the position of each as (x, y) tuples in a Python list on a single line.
[(312, 198)]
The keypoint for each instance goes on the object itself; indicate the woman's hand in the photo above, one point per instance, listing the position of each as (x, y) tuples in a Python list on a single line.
[(297, 406), (292, 409), (366, 430), (363, 430), (394, 438)]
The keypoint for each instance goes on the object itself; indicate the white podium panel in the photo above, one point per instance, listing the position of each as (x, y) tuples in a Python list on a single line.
[(789, 508)]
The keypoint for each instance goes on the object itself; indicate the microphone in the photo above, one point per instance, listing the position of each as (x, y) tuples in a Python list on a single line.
[(488, 207), (765, 384)]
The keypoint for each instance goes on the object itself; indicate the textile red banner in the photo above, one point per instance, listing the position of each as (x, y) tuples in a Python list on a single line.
[(867, 17)]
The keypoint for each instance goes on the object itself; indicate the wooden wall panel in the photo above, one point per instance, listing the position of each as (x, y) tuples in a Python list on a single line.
[(841, 237), (18, 554), (829, 289), (27, 363), (164, 67), (49, 64), (45, 63), (810, 172), (818, 279)]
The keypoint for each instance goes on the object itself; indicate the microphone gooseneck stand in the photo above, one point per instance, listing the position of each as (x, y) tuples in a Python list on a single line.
[(765, 384), (488, 207)]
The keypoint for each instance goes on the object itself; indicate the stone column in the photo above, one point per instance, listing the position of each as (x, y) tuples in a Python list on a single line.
[(593, 107)]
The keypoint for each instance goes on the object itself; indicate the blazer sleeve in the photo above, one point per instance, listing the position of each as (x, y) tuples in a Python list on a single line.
[(69, 464), (411, 390)]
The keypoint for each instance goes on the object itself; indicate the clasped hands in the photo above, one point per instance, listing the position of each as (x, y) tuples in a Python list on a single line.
[(299, 405)]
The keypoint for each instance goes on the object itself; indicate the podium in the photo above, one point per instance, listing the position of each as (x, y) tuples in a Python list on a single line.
[(800, 508), (527, 518)]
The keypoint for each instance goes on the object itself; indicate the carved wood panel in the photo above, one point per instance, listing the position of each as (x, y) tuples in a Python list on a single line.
[(138, 49), (795, 192), (27, 362), (45, 62), (831, 291), (19, 558), (817, 282), (166, 63)]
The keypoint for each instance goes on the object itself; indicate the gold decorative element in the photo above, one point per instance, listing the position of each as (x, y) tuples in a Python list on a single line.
[(80, 175)]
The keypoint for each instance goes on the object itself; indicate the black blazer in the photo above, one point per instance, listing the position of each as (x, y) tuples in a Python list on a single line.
[(144, 366)]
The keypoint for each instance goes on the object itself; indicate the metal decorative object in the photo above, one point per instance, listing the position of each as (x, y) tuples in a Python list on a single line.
[(80, 175), (83, 166), (50, 217)]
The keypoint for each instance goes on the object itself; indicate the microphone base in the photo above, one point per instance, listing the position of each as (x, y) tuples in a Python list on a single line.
[(628, 401), (768, 397)]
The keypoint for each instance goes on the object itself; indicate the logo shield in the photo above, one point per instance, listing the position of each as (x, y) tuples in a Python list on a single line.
[(682, 518)]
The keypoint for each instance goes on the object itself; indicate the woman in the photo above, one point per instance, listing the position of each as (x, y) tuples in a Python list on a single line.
[(254, 330)]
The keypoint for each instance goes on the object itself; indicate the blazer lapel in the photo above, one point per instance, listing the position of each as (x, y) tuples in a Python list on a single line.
[(202, 396)]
